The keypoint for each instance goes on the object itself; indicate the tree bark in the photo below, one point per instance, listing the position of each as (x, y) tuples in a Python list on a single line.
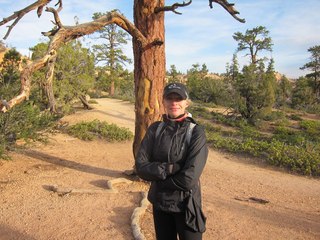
[(62, 35), (111, 93), (84, 102), (148, 48), (149, 67), (48, 84)]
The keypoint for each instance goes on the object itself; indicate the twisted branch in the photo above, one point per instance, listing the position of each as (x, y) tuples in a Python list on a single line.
[(63, 34), (60, 5), (39, 5), (56, 16), (172, 8), (229, 7)]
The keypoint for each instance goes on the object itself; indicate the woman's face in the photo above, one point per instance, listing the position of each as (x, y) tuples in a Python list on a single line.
[(175, 105)]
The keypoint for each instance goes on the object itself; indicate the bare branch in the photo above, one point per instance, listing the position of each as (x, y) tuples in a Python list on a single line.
[(229, 7), (25, 78), (60, 5), (125, 24), (56, 16), (39, 5), (12, 25), (63, 34), (172, 8)]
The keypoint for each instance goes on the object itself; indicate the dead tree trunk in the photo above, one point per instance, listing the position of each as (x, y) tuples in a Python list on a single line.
[(63, 34), (148, 48), (149, 67), (48, 84), (84, 102)]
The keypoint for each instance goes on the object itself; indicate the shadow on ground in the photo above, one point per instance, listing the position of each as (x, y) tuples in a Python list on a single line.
[(71, 164)]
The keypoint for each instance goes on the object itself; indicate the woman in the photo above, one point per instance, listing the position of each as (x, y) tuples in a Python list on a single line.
[(173, 162)]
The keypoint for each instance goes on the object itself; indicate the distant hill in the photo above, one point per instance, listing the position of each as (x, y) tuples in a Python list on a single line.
[(183, 77)]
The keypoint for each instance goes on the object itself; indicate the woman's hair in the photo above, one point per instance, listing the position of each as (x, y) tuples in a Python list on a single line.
[(189, 101)]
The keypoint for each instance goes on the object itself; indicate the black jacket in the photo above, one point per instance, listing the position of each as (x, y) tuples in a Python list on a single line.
[(168, 192)]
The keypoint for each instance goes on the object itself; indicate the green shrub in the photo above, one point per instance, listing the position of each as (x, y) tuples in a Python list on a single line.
[(3, 152), (24, 121), (295, 117), (313, 108), (228, 120), (210, 127), (300, 159), (200, 112), (97, 129), (289, 136), (274, 115), (221, 142), (282, 122), (290, 148), (297, 159), (247, 131), (311, 129), (310, 126)]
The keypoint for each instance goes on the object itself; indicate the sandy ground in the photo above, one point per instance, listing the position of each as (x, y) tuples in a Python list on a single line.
[(231, 186)]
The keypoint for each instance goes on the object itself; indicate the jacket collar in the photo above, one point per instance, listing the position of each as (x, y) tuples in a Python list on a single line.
[(187, 117)]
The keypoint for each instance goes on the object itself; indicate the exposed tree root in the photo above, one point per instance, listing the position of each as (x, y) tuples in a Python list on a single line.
[(136, 215), (63, 190), (110, 183), (137, 212)]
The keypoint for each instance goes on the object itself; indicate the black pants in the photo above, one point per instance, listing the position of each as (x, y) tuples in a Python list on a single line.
[(169, 225)]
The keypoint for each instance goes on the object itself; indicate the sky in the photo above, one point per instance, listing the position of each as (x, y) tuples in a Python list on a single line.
[(200, 35)]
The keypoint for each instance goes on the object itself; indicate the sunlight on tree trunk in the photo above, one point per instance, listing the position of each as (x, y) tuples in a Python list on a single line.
[(148, 48), (149, 68)]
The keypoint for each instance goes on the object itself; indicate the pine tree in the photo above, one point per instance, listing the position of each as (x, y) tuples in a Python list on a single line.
[(9, 74), (254, 88), (314, 67), (173, 74), (110, 52), (283, 93), (254, 40), (74, 73)]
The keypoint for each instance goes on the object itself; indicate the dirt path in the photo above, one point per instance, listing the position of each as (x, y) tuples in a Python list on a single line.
[(30, 210)]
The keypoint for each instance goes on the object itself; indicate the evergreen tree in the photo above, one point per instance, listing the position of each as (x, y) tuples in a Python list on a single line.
[(232, 70), (173, 74), (314, 67), (255, 40), (148, 38), (232, 73), (9, 74), (74, 73), (283, 93), (196, 76), (110, 53), (10, 66), (38, 93), (254, 88), (205, 88), (269, 88), (302, 94), (247, 102)]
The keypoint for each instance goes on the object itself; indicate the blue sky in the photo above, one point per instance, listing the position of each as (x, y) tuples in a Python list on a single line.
[(200, 35)]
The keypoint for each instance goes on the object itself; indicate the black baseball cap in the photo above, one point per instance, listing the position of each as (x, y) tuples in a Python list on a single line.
[(178, 88)]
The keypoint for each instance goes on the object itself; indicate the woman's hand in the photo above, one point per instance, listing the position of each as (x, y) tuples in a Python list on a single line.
[(173, 168)]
